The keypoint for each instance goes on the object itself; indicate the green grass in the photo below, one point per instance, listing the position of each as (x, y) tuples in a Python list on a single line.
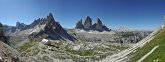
[(159, 53), (82, 52), (26, 46)]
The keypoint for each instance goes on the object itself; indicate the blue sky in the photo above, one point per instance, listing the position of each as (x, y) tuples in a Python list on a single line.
[(142, 14)]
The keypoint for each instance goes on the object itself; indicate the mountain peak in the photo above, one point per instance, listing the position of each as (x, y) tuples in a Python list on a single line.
[(98, 26), (79, 25), (98, 21), (20, 25), (50, 17), (42, 28), (88, 23)]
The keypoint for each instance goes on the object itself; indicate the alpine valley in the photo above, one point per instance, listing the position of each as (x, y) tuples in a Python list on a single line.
[(45, 40)]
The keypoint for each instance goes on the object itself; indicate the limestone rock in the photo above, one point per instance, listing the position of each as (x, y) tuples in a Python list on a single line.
[(88, 23), (20, 25), (1, 29), (2, 37), (97, 25), (79, 25), (105, 28)]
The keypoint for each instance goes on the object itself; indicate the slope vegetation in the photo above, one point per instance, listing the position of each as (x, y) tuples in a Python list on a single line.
[(158, 55)]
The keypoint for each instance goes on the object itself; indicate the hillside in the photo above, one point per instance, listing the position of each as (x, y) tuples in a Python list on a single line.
[(158, 55)]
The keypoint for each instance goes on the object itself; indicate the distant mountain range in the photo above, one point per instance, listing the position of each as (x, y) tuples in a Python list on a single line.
[(39, 29)]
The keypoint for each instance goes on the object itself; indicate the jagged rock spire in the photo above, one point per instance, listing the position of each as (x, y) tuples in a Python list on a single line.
[(20, 25), (97, 25), (50, 17), (88, 23), (98, 21), (79, 25)]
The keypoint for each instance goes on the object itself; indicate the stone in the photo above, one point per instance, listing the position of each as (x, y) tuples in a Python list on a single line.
[(1, 59)]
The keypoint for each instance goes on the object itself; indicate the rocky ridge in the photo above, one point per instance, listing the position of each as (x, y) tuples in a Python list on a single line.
[(39, 29)]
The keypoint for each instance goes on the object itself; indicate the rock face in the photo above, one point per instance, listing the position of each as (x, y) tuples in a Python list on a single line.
[(8, 54), (2, 37), (105, 28), (20, 25), (9, 29), (79, 25), (1, 29), (39, 29), (88, 23), (98, 26)]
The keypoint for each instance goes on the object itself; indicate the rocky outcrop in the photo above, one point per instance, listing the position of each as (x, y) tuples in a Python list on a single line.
[(88, 23), (8, 54), (2, 37), (79, 25), (9, 29), (106, 28), (20, 25), (97, 26), (1, 29)]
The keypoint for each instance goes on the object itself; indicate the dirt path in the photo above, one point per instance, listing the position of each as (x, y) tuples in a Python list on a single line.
[(145, 56)]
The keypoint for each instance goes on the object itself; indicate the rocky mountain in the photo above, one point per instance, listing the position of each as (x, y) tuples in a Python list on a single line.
[(88, 23), (20, 25), (98, 26), (79, 24), (39, 29), (1, 29), (2, 37)]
